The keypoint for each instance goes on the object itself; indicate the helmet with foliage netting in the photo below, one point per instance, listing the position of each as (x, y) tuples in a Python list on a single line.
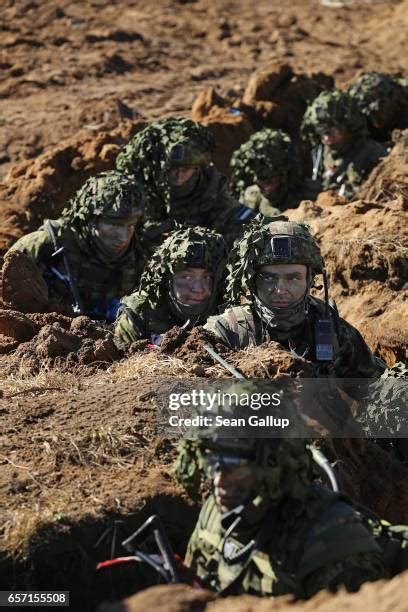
[(162, 145), (282, 464), (266, 243), (333, 109), (371, 89), (194, 247), (267, 153), (111, 195)]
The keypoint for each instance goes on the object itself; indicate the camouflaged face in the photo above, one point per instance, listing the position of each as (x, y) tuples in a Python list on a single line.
[(111, 195), (188, 247), (262, 244), (267, 153), (282, 465), (333, 109), (371, 88), (161, 145)]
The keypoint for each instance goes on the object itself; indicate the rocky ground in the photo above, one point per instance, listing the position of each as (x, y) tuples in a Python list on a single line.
[(80, 445)]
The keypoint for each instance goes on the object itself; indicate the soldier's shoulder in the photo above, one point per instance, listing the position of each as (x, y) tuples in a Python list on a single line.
[(336, 532), (34, 242), (229, 317)]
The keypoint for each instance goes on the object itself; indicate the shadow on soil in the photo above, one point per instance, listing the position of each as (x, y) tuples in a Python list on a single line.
[(64, 556)]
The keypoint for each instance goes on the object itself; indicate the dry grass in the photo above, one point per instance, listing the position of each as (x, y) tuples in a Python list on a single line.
[(100, 446), (48, 378), (58, 377)]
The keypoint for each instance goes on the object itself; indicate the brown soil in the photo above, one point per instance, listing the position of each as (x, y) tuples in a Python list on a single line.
[(384, 596), (80, 447)]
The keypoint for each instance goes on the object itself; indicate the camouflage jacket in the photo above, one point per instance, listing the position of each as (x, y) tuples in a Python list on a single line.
[(211, 205), (254, 198), (240, 326), (346, 174), (301, 547), (137, 322), (100, 283)]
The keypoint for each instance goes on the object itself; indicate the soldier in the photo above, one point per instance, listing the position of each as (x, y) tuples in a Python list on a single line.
[(173, 157), (383, 99), (266, 529), (182, 284), (271, 273), (343, 156), (266, 175), (92, 254)]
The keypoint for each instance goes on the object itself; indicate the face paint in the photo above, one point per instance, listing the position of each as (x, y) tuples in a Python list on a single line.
[(192, 286), (179, 175), (335, 138), (115, 237), (281, 285)]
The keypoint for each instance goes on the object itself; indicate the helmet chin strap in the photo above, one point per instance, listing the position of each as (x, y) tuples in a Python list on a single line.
[(187, 311)]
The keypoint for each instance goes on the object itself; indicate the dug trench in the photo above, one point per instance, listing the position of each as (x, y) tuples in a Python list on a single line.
[(81, 454), (81, 470)]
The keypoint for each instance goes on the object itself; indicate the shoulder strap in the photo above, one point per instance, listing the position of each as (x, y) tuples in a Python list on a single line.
[(242, 324)]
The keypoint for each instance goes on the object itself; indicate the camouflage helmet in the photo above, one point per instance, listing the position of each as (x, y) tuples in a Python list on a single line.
[(266, 153), (194, 247), (111, 195), (264, 243), (333, 109), (282, 464), (372, 89), (161, 145)]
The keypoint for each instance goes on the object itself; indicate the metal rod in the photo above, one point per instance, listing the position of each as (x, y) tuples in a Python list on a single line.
[(224, 363)]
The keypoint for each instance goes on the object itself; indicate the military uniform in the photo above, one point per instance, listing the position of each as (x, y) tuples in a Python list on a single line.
[(241, 326), (297, 328), (288, 536), (341, 170), (317, 544), (255, 199), (345, 173), (170, 142), (100, 280), (152, 310), (267, 154)]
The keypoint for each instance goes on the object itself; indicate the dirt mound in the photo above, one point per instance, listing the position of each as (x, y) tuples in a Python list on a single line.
[(274, 97), (44, 340), (367, 265), (389, 179), (34, 190), (384, 596), (372, 476), (22, 286), (174, 598)]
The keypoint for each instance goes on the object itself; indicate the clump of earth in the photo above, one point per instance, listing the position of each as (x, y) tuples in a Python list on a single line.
[(82, 462)]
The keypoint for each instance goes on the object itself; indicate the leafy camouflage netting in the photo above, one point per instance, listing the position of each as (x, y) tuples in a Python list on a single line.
[(173, 141), (267, 153), (333, 109), (109, 194), (371, 89), (196, 247), (258, 247)]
